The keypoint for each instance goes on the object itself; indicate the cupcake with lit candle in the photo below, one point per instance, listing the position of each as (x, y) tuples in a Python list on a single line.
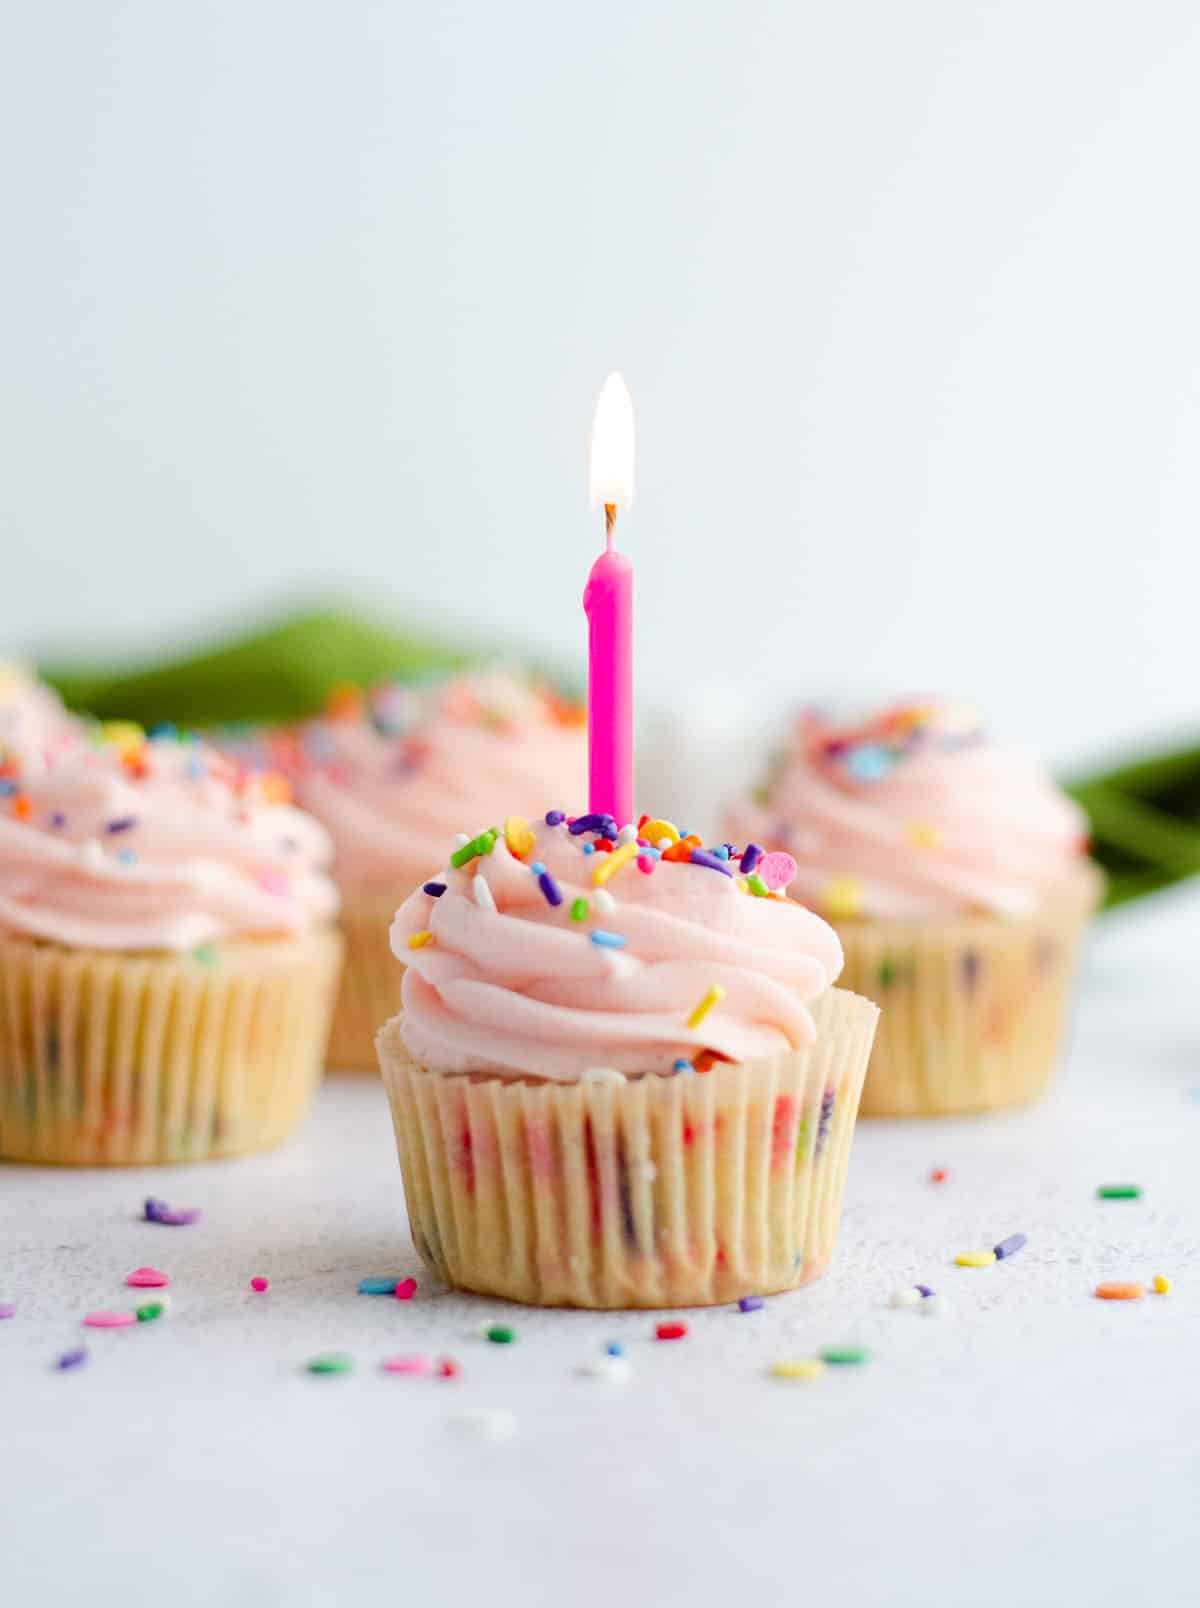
[(392, 775), (167, 954), (621, 1075), (957, 877)]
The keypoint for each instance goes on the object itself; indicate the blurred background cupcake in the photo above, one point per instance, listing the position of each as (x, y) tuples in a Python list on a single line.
[(167, 952), (956, 874), (393, 775)]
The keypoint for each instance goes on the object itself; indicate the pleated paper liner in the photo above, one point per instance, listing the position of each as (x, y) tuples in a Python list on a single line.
[(973, 1009), (659, 1191), (120, 1060), (370, 989)]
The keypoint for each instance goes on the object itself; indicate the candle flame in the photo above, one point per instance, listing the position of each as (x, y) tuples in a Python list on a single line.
[(611, 472)]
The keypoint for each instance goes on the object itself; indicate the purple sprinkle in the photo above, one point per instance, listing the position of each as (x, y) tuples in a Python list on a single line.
[(924, 1289), (607, 940), (157, 1211), (710, 862), (123, 823), (604, 825), (750, 1303), (1009, 1246), (555, 817), (72, 1359), (8, 1309), (435, 890), (550, 888), (58, 820), (971, 966), (751, 855)]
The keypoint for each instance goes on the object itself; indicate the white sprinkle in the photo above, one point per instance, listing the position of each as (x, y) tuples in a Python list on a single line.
[(92, 855), (935, 1306), (603, 1074), (627, 834), (484, 897), (664, 843), (460, 838), (616, 1370), (910, 1297), (603, 900), (648, 1171), (488, 1423), (617, 963)]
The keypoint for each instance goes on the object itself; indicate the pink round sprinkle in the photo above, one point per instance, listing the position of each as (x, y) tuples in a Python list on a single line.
[(147, 1278), (776, 869), (646, 863), (406, 1289), (260, 1284), (110, 1320), (417, 1364)]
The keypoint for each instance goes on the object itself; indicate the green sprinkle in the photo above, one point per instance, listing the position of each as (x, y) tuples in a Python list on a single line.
[(500, 1334), (483, 844), (579, 910), (1120, 1191), (206, 954), (887, 974), (757, 886), (151, 1310), (848, 1356), (331, 1362)]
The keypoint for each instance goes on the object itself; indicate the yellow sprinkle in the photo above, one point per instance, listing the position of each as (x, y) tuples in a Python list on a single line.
[(714, 997), (613, 863), (742, 885), (419, 940), (519, 836), (798, 1368), (655, 831), (842, 898), (923, 836), (975, 1258), (123, 734), (1161, 1286)]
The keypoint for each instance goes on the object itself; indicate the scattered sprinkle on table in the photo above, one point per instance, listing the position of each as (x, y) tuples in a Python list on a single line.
[(1118, 1291), (259, 1284), (1119, 1192), (616, 1370), (975, 1258), (379, 1284), (750, 1303), (910, 1296), (406, 1289), (615, 1348), (670, 1331), (157, 1211), (447, 1368), (939, 1175), (331, 1362), (110, 1320), (500, 1334), (150, 1311), (1161, 1285), (75, 1358), (798, 1368), (934, 1306), (8, 1309), (1009, 1247), (844, 1356), (147, 1278), (416, 1363), (923, 1289)]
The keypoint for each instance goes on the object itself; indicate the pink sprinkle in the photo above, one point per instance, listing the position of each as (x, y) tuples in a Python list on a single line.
[(260, 1284), (646, 863), (777, 869), (275, 882), (147, 1278), (417, 1364), (110, 1320), (406, 1289)]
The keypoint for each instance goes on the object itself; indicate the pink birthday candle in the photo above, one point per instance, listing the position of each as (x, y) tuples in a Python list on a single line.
[(608, 604)]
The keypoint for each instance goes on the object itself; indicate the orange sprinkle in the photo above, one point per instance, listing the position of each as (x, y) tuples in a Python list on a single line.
[(345, 701), (1120, 1292), (275, 788), (22, 807), (683, 849)]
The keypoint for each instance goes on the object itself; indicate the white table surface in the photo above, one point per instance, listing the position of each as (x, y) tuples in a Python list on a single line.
[(1036, 1446)]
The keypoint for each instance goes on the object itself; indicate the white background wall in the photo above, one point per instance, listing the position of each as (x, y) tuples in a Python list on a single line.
[(906, 294)]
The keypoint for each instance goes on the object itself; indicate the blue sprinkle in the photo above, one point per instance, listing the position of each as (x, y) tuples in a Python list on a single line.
[(1009, 1246), (127, 856), (589, 848), (195, 770), (555, 817), (650, 852), (163, 728), (750, 1303), (7, 788), (710, 861), (123, 823), (615, 1348), (552, 891), (538, 868), (385, 1285), (435, 890), (682, 1066), (870, 763), (722, 851), (604, 940)]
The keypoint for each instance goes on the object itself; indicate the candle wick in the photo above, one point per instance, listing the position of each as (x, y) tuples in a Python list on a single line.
[(610, 519)]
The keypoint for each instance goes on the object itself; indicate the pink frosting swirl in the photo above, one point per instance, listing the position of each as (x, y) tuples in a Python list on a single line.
[(395, 777), (34, 726), (512, 983), (156, 845), (914, 813)]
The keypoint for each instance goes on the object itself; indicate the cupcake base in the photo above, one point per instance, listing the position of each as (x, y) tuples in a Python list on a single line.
[(369, 994), (660, 1191), (128, 1059), (973, 1009)]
